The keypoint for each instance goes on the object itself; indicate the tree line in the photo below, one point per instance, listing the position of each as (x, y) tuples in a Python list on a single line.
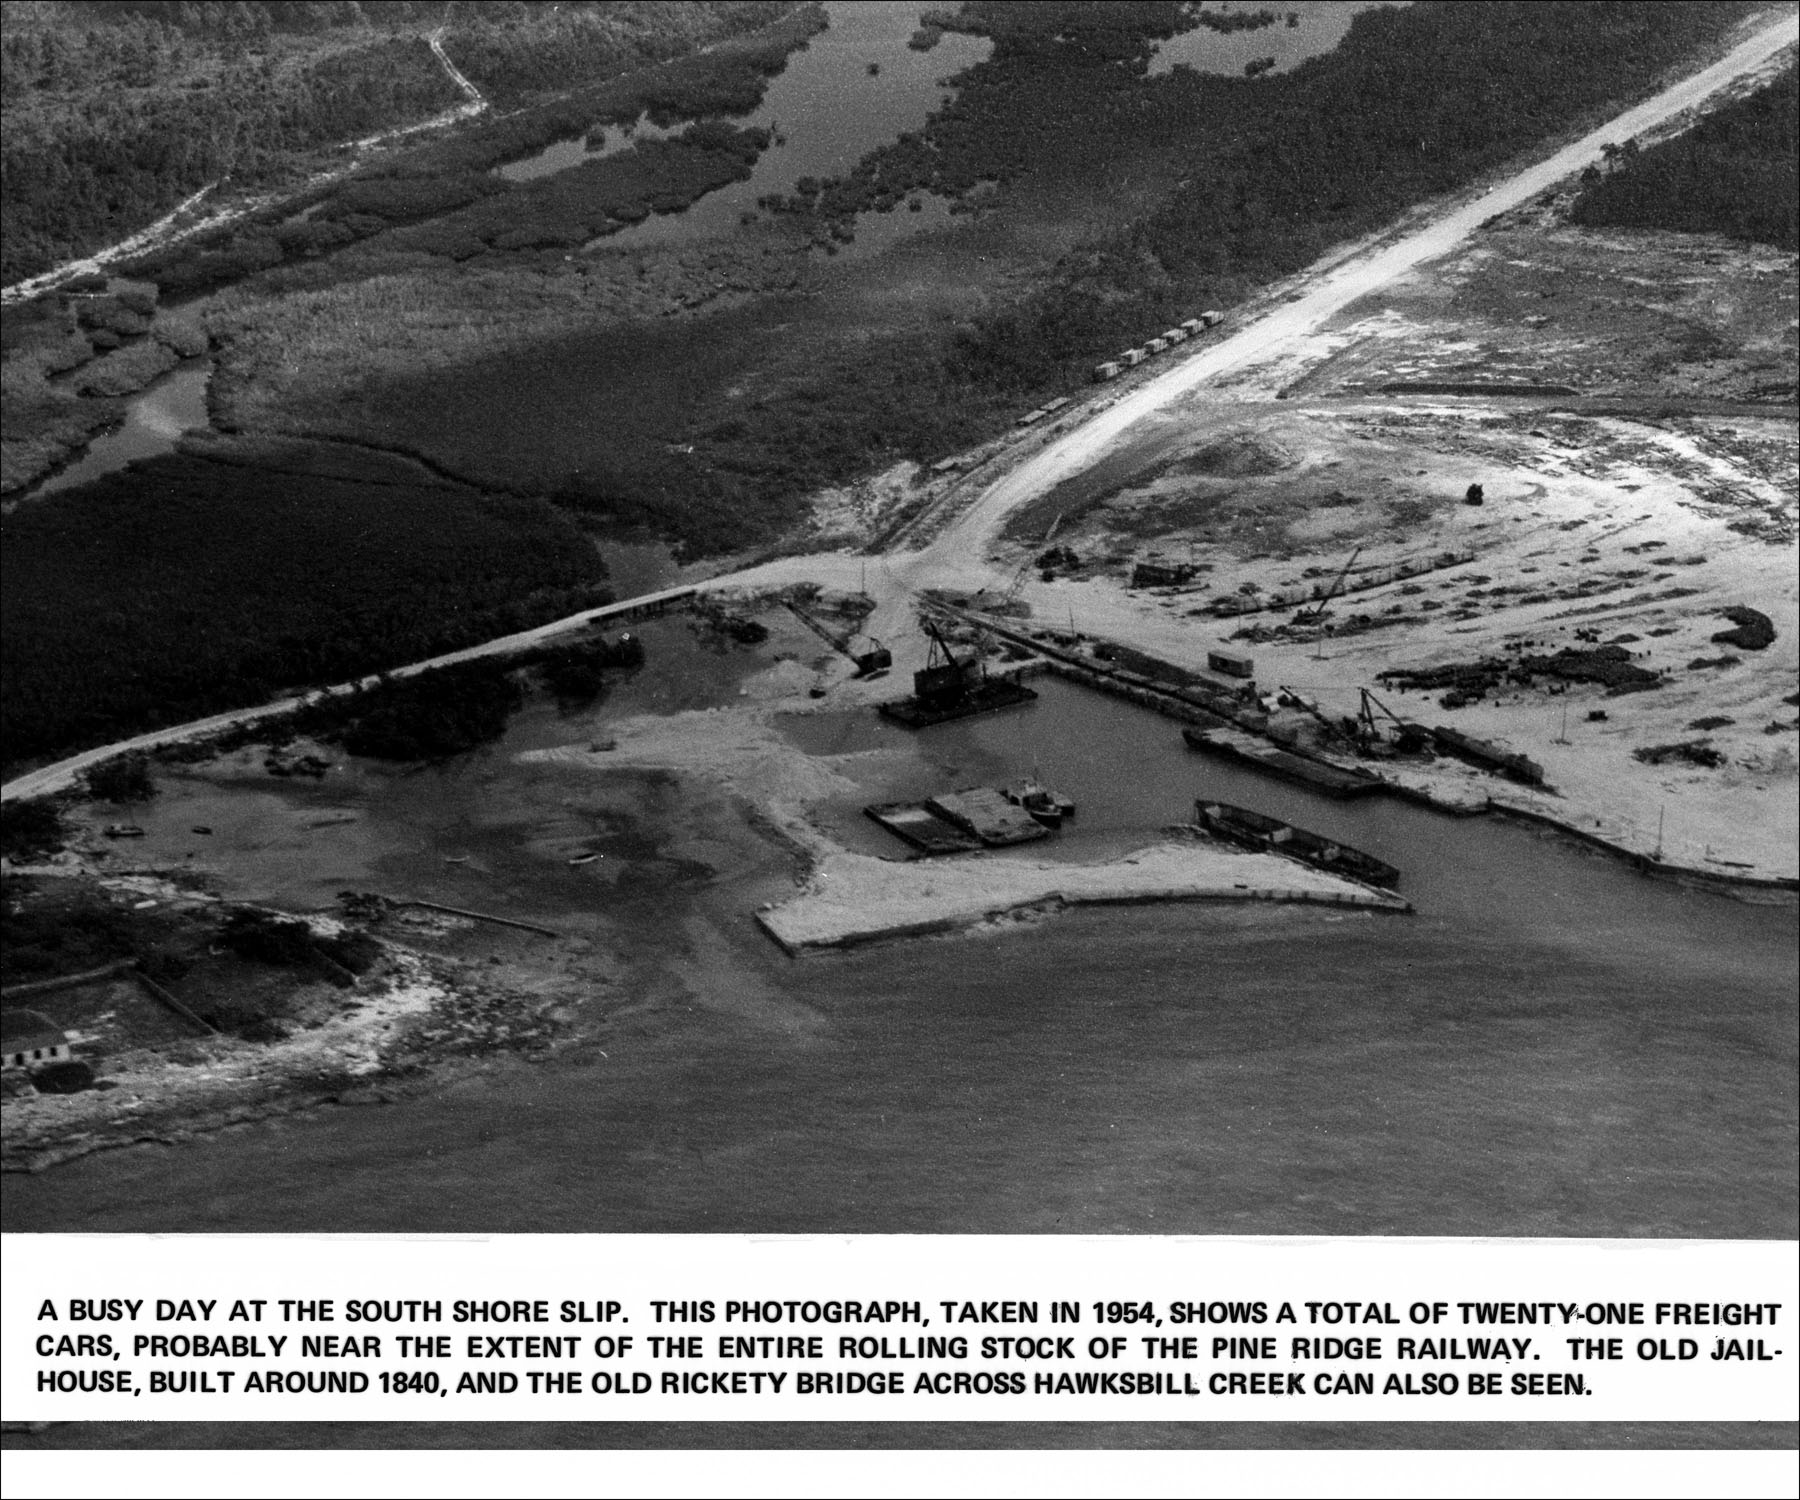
[(1733, 174), (183, 587)]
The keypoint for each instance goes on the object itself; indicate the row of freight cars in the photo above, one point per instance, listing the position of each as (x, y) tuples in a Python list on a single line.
[(1112, 368)]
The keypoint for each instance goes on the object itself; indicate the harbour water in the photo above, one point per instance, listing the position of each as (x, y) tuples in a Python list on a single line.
[(1553, 1045)]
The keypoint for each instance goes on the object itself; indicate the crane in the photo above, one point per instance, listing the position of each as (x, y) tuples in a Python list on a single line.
[(1318, 610), (943, 679), (1409, 738)]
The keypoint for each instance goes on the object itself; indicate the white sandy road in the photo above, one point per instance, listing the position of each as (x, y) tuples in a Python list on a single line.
[(958, 555)]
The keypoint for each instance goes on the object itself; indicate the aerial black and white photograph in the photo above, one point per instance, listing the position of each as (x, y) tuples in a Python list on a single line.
[(1017, 617)]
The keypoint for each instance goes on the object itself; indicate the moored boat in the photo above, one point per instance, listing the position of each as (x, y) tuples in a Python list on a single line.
[(1048, 807)]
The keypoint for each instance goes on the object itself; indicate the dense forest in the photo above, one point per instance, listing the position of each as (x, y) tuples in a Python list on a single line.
[(447, 200), (186, 587), (86, 162), (1734, 174), (1412, 103), (116, 113)]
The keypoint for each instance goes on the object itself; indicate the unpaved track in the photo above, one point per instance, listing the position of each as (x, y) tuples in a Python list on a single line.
[(961, 549), (169, 230)]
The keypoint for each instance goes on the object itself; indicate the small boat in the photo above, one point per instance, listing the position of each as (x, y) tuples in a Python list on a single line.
[(456, 859), (123, 831), (1048, 807), (201, 828), (584, 859), (1260, 831)]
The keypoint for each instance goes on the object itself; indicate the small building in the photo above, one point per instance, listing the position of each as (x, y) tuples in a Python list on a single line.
[(1191, 326), (1107, 369), (30, 1040), (1231, 663), (1174, 335), (1211, 316)]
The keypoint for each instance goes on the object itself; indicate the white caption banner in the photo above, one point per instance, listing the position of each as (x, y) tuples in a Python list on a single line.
[(900, 1328)]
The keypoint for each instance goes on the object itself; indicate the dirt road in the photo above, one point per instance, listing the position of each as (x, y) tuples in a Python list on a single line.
[(957, 557), (967, 541)]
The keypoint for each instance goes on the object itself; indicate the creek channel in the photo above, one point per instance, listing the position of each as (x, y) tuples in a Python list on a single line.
[(1554, 1045), (155, 419)]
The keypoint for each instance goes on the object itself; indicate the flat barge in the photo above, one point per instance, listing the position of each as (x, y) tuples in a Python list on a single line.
[(918, 825), (1270, 835), (1318, 775), (958, 822), (985, 813)]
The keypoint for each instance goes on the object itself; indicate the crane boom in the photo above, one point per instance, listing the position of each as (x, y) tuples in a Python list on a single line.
[(1337, 583)]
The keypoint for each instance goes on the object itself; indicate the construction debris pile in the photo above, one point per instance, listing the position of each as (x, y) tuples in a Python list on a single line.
[(1469, 682), (1693, 752)]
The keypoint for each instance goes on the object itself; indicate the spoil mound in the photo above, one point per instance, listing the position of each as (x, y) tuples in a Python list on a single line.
[(1236, 456), (1694, 752)]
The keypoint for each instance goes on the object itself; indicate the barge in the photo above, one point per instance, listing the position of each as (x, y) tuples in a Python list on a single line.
[(1270, 835), (1318, 775), (960, 822), (918, 825), (986, 697), (984, 812)]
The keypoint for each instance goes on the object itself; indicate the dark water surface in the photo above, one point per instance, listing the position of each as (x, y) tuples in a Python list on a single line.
[(828, 112), (1322, 25), (1553, 1045), (155, 419)]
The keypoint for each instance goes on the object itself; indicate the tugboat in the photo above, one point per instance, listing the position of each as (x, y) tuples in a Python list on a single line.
[(1048, 807)]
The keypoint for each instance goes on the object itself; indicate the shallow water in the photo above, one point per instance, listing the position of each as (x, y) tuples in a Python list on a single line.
[(591, 145), (155, 419), (1323, 24)]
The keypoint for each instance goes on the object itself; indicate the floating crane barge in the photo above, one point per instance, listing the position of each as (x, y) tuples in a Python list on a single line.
[(949, 689)]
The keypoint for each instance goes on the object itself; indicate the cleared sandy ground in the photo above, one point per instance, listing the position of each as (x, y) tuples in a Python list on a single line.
[(852, 898)]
